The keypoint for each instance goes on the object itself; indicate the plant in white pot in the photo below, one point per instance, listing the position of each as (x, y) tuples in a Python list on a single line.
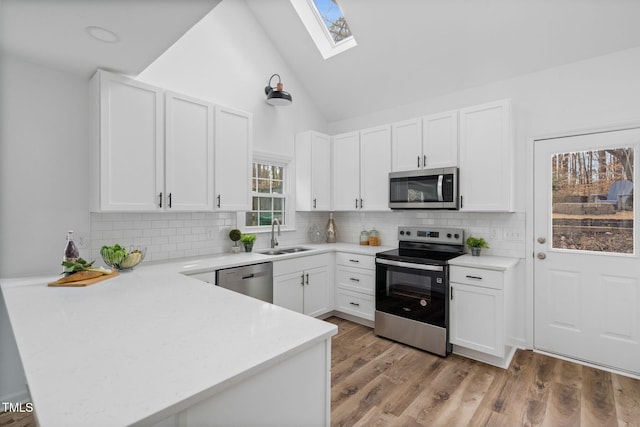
[(247, 241), (476, 244), (235, 235)]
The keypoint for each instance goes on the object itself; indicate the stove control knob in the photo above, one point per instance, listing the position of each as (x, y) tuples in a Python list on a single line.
[(408, 233), (448, 235), (402, 232), (456, 235)]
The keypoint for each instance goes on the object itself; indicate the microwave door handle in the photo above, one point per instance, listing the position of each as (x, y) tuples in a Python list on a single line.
[(440, 178)]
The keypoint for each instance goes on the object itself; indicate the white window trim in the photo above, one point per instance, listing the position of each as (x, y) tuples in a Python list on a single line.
[(318, 30), (289, 194)]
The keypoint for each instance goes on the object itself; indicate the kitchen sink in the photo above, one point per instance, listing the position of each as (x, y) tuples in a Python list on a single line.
[(284, 251)]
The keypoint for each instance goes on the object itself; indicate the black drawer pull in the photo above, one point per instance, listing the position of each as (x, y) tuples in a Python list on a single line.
[(353, 260), (353, 279), (474, 277), (355, 303)]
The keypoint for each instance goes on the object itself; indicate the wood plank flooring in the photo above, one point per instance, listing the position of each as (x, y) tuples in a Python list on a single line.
[(377, 382)]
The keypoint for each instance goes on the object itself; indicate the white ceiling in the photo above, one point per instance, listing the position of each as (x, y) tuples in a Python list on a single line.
[(52, 32), (410, 50)]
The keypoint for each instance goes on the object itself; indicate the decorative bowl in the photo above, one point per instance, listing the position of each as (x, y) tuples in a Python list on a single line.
[(133, 258)]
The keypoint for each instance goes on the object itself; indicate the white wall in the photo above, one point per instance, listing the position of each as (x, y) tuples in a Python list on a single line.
[(227, 59), (43, 182)]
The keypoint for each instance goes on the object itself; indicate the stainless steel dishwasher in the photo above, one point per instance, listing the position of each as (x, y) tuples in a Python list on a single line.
[(255, 280)]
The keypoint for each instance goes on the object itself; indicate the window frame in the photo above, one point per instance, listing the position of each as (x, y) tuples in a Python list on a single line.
[(288, 194), (313, 22)]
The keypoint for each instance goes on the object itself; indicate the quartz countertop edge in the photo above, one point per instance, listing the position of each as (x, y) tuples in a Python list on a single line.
[(108, 336), (488, 262)]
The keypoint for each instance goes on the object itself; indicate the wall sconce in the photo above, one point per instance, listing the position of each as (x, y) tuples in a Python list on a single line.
[(275, 95)]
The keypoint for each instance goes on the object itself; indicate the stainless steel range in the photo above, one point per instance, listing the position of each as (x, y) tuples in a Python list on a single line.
[(412, 287)]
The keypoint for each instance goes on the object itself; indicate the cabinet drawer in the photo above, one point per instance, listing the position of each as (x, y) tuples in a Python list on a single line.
[(477, 277), (356, 279), (355, 303), (356, 260)]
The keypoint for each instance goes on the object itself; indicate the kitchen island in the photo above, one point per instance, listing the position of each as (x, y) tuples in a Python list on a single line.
[(155, 347)]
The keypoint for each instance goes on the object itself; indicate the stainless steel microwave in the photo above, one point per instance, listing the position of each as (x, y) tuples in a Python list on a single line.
[(424, 189)]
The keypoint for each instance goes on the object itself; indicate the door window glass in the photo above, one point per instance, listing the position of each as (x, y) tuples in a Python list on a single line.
[(592, 200)]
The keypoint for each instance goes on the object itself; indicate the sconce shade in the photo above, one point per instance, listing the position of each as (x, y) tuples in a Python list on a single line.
[(276, 96)]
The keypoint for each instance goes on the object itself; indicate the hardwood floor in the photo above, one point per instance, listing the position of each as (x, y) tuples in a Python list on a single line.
[(377, 382)]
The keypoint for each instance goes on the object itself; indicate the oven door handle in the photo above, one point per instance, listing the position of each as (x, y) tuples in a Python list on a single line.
[(410, 265)]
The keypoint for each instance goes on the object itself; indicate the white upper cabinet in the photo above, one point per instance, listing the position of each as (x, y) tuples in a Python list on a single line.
[(233, 159), (425, 143), (189, 153), (361, 166), (486, 164), (406, 145), (128, 147), (313, 171), (346, 171), (375, 165), (440, 140)]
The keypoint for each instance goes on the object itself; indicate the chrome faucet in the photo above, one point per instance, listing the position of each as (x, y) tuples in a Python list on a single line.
[(274, 241)]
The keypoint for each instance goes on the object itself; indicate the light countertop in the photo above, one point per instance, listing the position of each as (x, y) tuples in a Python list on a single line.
[(488, 262), (151, 342)]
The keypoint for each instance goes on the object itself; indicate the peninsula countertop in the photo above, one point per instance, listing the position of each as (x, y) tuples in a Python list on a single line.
[(151, 342)]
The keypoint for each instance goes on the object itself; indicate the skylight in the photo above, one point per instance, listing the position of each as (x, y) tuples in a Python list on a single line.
[(326, 25)]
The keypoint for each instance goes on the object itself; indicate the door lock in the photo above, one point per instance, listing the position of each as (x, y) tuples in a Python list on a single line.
[(541, 255), (542, 240)]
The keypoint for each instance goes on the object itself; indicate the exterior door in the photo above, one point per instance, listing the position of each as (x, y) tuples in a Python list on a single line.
[(587, 271)]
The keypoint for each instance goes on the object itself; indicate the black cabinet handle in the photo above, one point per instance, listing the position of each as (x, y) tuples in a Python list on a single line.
[(356, 203), (218, 200), (161, 199), (451, 294), (353, 260), (314, 203), (460, 202), (307, 278), (418, 161), (354, 303), (424, 163), (353, 279), (360, 203), (170, 199), (474, 277), (302, 279)]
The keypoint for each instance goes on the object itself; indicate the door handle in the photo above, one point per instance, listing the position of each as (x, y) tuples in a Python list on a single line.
[(542, 240), (541, 255)]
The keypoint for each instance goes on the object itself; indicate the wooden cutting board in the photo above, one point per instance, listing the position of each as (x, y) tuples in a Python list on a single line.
[(88, 281)]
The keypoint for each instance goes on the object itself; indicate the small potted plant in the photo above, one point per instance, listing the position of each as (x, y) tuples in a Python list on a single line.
[(476, 244), (235, 235), (247, 241)]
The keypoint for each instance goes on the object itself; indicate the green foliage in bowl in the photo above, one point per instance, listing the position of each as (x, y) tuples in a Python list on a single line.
[(119, 258)]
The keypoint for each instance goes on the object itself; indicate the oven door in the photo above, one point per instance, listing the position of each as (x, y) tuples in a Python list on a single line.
[(414, 291)]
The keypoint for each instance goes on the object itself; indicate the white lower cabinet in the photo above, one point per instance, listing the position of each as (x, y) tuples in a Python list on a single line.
[(480, 315), (355, 284), (304, 284)]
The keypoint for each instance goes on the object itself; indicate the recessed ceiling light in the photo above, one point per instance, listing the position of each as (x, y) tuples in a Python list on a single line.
[(102, 34)]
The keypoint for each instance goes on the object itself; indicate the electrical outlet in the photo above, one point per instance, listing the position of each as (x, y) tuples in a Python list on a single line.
[(494, 233), (513, 234), (81, 239)]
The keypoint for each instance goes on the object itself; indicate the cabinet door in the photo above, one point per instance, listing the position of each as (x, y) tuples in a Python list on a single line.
[(131, 144), (440, 140), (189, 153), (313, 169), (316, 294), (486, 166), (406, 145), (288, 291), (346, 171), (476, 319), (233, 158), (375, 165)]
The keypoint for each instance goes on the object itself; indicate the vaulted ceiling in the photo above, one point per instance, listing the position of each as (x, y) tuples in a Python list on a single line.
[(409, 50)]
